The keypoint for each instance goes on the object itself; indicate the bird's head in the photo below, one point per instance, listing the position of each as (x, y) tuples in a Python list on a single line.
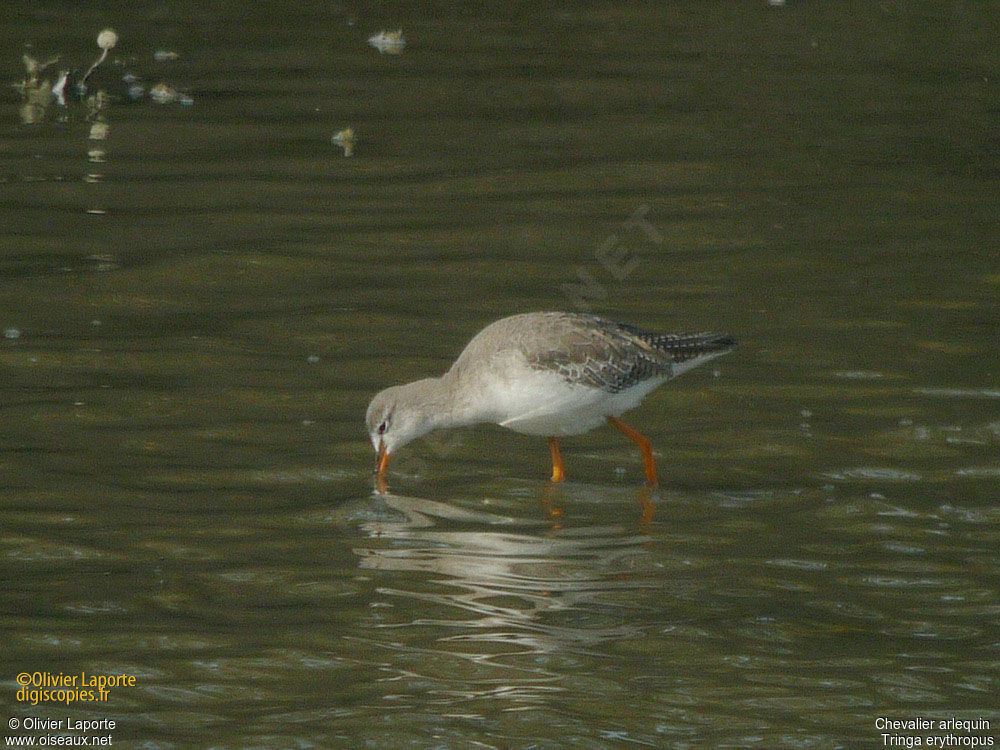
[(396, 416)]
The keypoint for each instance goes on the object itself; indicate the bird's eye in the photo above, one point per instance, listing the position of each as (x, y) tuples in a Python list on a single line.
[(382, 428)]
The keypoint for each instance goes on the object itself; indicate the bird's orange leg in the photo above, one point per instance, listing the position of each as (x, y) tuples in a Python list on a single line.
[(645, 448), (558, 470)]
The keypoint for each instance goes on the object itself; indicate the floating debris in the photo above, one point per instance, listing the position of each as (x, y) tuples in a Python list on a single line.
[(37, 92), (33, 68), (134, 87), (94, 89), (59, 88), (388, 42), (345, 139), (164, 93), (12, 333), (106, 40)]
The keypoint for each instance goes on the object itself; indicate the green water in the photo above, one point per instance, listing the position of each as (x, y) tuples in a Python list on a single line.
[(196, 317)]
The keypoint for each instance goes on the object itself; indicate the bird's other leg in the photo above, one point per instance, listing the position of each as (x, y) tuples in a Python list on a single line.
[(645, 448), (558, 470)]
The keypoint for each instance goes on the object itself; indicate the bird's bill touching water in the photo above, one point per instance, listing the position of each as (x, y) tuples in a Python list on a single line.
[(381, 460), (381, 467)]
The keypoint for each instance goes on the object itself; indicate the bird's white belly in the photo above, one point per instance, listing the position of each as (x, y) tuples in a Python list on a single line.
[(544, 403)]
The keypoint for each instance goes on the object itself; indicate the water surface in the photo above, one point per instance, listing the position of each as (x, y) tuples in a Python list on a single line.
[(198, 307)]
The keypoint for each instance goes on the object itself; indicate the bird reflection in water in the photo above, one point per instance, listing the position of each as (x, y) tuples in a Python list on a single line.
[(549, 498), (510, 599)]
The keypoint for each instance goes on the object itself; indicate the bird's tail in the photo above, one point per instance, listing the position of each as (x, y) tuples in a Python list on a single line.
[(684, 346), (680, 347), (688, 350)]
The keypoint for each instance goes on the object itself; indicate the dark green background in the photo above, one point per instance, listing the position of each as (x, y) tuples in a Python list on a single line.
[(185, 488)]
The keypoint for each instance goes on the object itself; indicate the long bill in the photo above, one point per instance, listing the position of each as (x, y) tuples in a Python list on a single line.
[(381, 460)]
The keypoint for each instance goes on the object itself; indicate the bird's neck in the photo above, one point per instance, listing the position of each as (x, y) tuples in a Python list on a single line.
[(434, 400), (452, 403)]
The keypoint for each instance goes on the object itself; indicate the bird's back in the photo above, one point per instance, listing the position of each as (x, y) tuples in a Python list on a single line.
[(587, 350)]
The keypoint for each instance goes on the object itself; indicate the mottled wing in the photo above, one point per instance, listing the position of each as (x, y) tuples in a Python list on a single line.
[(613, 356)]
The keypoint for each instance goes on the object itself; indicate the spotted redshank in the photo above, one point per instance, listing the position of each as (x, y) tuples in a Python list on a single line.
[(546, 373)]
